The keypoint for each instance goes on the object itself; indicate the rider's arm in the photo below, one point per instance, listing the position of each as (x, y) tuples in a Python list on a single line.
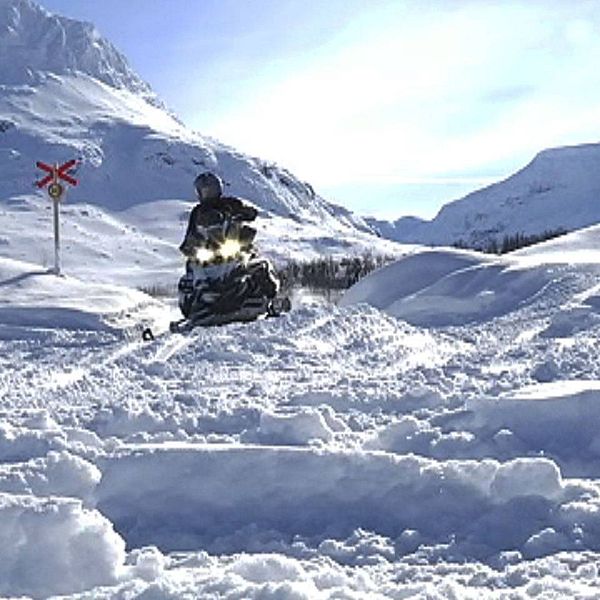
[(191, 233), (250, 213), (239, 210)]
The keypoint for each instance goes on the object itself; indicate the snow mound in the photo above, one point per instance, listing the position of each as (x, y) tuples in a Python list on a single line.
[(449, 287), (298, 427), (575, 248), (58, 474), (23, 443), (34, 297), (199, 575), (557, 419), (54, 546)]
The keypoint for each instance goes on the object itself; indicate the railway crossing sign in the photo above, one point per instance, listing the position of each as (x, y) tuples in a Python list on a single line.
[(56, 191), (56, 172)]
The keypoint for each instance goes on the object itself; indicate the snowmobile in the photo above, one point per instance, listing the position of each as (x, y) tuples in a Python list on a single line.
[(226, 281)]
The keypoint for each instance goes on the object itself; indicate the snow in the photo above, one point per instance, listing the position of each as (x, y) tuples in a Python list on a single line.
[(66, 93), (133, 152), (33, 40), (337, 452), (445, 287), (53, 546), (31, 296), (434, 435), (322, 494)]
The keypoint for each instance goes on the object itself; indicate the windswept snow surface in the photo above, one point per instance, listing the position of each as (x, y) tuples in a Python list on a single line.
[(449, 451)]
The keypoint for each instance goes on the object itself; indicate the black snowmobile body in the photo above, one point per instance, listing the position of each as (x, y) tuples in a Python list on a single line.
[(243, 289)]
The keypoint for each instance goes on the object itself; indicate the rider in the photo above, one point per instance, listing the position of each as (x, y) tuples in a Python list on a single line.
[(215, 212), (217, 217)]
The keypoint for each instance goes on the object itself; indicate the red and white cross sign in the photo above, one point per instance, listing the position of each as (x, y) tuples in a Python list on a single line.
[(56, 172)]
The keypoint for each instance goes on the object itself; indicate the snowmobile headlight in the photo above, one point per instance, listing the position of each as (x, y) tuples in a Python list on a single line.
[(204, 254), (230, 248)]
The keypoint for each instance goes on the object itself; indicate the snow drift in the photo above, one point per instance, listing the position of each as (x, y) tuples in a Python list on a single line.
[(34, 297), (180, 497), (455, 287), (449, 287), (448, 449), (54, 546)]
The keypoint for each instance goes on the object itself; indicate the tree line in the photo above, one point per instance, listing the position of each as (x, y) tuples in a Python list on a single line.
[(514, 242), (329, 273)]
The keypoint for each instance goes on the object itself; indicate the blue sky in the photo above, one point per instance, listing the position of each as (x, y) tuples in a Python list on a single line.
[(390, 107)]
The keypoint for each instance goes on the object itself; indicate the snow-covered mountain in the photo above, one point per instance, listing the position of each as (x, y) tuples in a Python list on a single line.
[(33, 40), (66, 92), (559, 189)]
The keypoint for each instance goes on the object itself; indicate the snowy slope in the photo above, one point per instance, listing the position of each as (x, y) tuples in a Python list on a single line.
[(139, 246), (65, 92), (557, 190), (35, 297)]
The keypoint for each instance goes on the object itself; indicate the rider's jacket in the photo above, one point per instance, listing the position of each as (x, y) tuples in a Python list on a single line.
[(213, 219)]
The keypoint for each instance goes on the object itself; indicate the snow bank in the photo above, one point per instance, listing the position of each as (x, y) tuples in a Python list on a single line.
[(23, 443), (253, 577), (34, 297), (579, 314), (58, 474), (559, 419), (408, 276), (449, 287), (577, 247), (54, 546), (183, 496), (273, 576), (410, 434), (297, 427)]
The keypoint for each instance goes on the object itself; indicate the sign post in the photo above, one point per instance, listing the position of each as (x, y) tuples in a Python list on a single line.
[(56, 192)]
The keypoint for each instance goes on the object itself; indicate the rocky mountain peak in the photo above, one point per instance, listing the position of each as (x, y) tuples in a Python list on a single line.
[(34, 41)]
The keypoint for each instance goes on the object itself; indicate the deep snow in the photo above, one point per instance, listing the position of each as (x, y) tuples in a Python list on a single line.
[(338, 452)]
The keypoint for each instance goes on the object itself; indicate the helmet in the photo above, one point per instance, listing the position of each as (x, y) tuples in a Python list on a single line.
[(208, 186)]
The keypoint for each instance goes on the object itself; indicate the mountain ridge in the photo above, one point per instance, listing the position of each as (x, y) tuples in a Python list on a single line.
[(32, 39), (554, 191)]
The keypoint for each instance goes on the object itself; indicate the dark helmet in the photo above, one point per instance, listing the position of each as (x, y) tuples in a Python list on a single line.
[(208, 186)]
